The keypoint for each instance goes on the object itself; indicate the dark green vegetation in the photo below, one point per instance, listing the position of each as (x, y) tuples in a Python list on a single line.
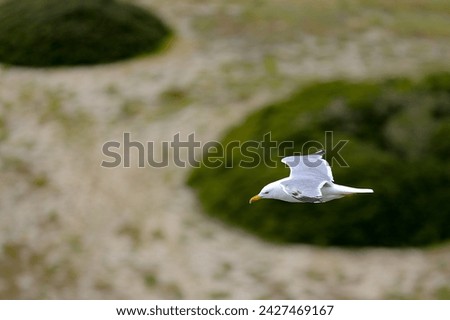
[(399, 145), (75, 32)]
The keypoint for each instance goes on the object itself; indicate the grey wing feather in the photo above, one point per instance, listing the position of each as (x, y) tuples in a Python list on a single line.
[(309, 167), (303, 188)]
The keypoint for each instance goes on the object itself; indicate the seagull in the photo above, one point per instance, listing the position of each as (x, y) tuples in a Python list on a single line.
[(310, 181)]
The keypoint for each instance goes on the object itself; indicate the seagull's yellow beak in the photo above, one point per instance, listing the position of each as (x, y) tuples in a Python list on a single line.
[(255, 198)]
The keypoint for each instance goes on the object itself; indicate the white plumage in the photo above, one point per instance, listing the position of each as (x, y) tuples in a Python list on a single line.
[(311, 180)]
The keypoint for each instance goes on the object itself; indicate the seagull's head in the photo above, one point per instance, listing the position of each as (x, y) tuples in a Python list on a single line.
[(268, 192)]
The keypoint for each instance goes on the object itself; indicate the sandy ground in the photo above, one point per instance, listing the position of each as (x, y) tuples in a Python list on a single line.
[(72, 229)]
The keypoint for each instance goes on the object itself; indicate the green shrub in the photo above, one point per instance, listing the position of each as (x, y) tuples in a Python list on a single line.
[(398, 132), (75, 32)]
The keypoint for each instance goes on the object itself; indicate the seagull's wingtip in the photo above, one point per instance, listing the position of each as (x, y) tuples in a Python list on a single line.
[(321, 152)]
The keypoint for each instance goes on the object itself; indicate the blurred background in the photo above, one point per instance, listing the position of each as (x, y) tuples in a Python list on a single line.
[(76, 74)]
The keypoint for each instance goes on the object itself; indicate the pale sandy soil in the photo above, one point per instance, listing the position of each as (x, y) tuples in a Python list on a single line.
[(71, 229)]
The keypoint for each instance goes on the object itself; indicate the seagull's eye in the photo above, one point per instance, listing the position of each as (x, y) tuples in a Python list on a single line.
[(266, 192)]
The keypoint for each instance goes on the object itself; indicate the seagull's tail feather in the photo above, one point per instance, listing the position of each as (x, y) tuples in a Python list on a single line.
[(349, 190)]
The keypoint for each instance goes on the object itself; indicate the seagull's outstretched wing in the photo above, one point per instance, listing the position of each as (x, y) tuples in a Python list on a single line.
[(309, 166), (304, 190), (309, 174)]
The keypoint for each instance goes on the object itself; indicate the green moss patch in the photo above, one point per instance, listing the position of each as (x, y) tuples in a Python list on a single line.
[(398, 132), (76, 32)]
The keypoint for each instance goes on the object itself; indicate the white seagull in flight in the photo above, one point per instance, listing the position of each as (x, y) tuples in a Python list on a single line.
[(310, 181)]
